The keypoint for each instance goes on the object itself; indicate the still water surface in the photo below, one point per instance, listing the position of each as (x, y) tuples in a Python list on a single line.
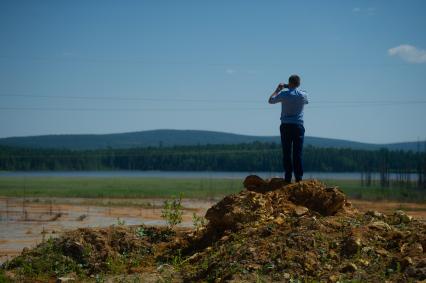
[(190, 174)]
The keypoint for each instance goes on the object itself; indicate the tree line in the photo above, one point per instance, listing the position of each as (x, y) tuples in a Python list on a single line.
[(255, 156)]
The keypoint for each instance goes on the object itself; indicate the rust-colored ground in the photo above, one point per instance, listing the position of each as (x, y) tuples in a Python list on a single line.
[(417, 210), (17, 232)]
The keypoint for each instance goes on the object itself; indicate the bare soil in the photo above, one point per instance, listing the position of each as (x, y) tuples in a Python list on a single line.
[(271, 232), (17, 233)]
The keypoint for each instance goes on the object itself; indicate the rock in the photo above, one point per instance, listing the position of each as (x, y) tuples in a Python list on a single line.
[(65, 279), (412, 249), (279, 220), (406, 262), (276, 183), (416, 272), (382, 252), (193, 257), (375, 214), (350, 267), (254, 266), (310, 262), (352, 245), (333, 278), (316, 197), (238, 209), (401, 217), (333, 255), (224, 238), (364, 262), (300, 210), (379, 226), (73, 249), (254, 183)]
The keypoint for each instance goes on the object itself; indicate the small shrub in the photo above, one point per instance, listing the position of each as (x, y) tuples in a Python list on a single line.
[(140, 232), (172, 211), (198, 221)]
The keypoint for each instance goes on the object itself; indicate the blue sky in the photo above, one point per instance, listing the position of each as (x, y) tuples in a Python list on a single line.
[(119, 66)]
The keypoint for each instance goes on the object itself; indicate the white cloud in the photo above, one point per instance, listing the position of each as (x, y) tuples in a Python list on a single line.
[(251, 72), (371, 11), (409, 53), (230, 71), (67, 54)]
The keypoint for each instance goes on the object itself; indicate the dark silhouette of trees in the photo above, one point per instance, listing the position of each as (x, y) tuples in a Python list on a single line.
[(238, 157)]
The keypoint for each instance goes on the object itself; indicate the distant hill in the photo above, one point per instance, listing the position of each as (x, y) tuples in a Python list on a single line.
[(178, 137)]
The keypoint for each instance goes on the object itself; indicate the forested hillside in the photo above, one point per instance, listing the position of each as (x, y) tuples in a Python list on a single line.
[(167, 138)]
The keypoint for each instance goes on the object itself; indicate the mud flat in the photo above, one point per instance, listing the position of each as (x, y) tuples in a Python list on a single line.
[(26, 222)]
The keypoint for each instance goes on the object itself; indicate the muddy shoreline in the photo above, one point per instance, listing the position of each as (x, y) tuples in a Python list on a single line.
[(25, 222)]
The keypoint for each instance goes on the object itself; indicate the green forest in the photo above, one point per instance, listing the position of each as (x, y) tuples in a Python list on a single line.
[(240, 157)]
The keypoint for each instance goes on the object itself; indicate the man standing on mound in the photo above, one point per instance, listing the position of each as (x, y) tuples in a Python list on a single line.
[(292, 131)]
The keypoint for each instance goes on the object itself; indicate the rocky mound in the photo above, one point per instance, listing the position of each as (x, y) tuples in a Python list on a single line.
[(274, 231), (275, 198), (271, 231)]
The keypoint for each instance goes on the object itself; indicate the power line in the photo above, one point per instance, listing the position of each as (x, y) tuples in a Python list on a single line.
[(174, 99), (188, 109), (126, 109), (180, 62), (129, 98)]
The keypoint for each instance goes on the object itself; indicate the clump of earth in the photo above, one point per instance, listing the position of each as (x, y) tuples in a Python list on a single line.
[(271, 231)]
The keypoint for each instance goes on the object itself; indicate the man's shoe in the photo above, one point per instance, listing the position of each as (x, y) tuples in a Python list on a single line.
[(287, 178)]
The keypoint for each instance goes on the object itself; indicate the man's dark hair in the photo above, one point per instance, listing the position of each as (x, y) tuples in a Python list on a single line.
[(294, 80)]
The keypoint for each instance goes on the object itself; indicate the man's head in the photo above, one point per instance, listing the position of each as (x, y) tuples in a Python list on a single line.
[(294, 81)]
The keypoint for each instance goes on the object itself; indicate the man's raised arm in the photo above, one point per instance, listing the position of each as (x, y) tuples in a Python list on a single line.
[(305, 98), (274, 96)]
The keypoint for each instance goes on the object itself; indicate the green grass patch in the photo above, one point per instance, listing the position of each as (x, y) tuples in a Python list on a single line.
[(88, 187), (354, 189), (145, 187)]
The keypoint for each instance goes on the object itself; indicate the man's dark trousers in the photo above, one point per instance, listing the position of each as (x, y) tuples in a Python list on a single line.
[(292, 136)]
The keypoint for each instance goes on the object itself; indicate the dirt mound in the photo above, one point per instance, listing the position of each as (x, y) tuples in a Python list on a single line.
[(88, 251), (265, 199), (270, 231), (275, 231), (96, 247)]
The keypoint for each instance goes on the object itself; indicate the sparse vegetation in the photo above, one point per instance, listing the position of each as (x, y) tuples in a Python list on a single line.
[(85, 252), (198, 221), (172, 211), (302, 232)]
